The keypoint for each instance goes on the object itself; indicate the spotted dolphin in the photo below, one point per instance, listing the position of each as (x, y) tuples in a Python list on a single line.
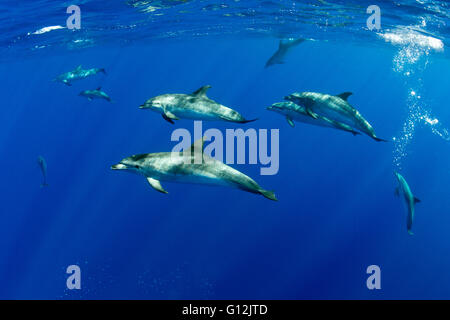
[(410, 200), (335, 108), (283, 48), (78, 74), (294, 112), (43, 166), (196, 106), (182, 167), (95, 94)]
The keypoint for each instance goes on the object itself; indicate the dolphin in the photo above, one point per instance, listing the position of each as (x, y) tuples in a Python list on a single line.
[(284, 47), (335, 108), (95, 94), (196, 106), (77, 74), (410, 200), (182, 167), (43, 165), (294, 112)]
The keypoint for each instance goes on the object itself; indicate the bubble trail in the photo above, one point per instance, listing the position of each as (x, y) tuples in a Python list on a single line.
[(410, 61)]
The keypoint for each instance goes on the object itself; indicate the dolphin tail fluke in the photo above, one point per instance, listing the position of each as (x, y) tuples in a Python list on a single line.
[(269, 195), (247, 121), (102, 70), (410, 233), (43, 185)]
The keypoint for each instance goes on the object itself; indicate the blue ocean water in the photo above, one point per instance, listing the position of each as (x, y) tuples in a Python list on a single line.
[(337, 213)]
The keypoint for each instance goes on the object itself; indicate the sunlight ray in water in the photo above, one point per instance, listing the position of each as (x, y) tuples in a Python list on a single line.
[(410, 61)]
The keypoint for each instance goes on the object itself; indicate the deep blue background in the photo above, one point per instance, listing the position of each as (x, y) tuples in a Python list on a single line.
[(336, 215)]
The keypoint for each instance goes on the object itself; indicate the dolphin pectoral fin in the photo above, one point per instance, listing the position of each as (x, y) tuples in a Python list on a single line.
[(167, 118), (156, 184), (416, 200), (344, 95), (269, 195), (289, 120), (170, 115), (311, 113), (90, 99), (397, 192)]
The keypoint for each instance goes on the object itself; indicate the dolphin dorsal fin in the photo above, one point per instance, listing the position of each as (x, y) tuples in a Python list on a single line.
[(198, 145), (78, 68), (201, 92), (416, 200), (344, 95), (195, 151)]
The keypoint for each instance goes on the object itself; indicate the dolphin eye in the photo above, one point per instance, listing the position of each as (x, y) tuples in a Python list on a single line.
[(136, 166)]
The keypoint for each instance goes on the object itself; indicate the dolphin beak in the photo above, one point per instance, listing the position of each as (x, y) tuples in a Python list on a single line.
[(269, 108), (142, 106), (118, 166)]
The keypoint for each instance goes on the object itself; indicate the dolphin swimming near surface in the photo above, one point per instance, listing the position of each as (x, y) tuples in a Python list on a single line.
[(43, 165), (410, 200), (196, 106), (294, 112), (180, 167), (334, 108), (77, 74), (95, 94), (284, 47)]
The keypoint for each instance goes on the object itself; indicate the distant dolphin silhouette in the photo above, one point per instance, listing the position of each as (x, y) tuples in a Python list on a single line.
[(78, 74), (43, 165), (284, 47), (410, 200), (95, 94)]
